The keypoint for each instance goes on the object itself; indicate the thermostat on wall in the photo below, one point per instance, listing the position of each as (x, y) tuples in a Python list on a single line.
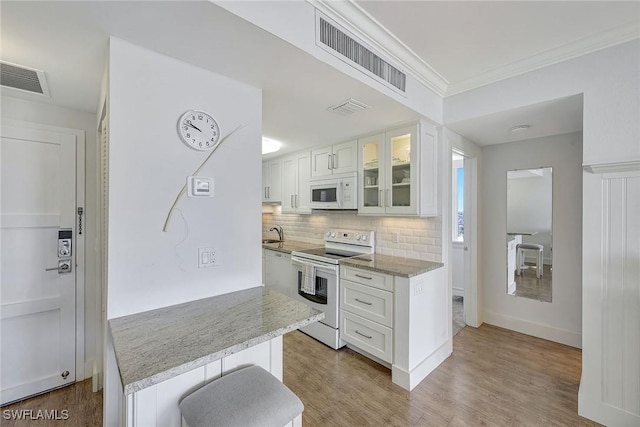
[(199, 186)]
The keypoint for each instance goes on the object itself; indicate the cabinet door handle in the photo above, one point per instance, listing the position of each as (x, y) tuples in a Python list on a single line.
[(265, 192), (334, 162), (363, 302), (364, 277), (361, 334), (297, 206), (380, 200), (268, 192), (329, 162), (291, 203), (388, 198)]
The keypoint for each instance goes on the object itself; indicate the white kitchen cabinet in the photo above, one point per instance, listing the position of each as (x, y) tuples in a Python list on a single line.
[(334, 159), (278, 273), (296, 172), (401, 322), (398, 172), (272, 181), (366, 316)]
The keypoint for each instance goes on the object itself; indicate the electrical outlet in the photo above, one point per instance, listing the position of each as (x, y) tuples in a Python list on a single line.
[(207, 257), (395, 237), (418, 289)]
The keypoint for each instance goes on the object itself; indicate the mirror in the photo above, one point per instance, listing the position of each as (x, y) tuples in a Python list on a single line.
[(529, 233)]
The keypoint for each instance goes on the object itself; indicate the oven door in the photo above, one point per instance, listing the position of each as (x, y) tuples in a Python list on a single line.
[(326, 288)]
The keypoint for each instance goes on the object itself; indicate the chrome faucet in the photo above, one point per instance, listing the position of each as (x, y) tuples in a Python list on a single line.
[(278, 229)]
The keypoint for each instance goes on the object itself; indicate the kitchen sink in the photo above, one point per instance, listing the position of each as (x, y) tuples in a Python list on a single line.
[(271, 241)]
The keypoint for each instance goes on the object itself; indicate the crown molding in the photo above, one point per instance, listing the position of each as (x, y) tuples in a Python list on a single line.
[(565, 52), (360, 23), (613, 167)]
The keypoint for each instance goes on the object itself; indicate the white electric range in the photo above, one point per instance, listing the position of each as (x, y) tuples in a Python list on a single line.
[(316, 275)]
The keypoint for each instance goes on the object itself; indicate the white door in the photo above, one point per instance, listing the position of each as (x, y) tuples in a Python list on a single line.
[(289, 181), (37, 307)]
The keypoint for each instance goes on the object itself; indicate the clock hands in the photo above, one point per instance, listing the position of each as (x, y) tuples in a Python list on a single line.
[(190, 124)]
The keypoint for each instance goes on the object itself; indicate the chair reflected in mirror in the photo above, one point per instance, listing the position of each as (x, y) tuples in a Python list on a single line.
[(529, 233)]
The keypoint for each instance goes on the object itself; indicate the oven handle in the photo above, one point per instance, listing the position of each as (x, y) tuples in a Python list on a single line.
[(300, 261)]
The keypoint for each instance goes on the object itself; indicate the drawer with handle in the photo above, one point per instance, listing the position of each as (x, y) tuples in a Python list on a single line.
[(367, 335), (368, 302), (367, 277)]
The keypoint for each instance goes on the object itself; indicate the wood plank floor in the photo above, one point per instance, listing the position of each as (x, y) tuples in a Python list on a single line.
[(495, 377), (83, 405)]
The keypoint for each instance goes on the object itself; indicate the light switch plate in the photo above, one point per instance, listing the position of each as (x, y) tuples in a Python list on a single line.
[(200, 186)]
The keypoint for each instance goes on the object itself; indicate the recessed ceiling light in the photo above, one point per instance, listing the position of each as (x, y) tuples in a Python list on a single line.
[(520, 128), (270, 146)]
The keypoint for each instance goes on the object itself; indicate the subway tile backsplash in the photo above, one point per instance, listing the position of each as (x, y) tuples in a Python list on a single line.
[(417, 237)]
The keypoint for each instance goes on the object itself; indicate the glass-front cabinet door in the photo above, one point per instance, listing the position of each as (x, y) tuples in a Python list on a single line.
[(402, 180), (372, 174)]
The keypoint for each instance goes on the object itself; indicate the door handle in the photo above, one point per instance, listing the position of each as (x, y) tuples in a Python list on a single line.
[(297, 201), (291, 202), (334, 162), (363, 302), (380, 199), (388, 198), (64, 266), (329, 162)]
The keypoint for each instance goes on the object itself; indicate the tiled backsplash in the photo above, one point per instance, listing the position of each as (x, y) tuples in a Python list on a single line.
[(417, 237)]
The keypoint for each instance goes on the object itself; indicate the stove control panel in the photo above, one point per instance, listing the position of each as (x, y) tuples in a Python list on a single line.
[(354, 237)]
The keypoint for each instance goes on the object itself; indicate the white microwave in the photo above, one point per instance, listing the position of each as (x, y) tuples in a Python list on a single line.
[(336, 192)]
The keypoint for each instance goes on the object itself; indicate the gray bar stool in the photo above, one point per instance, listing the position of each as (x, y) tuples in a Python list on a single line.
[(244, 398), (520, 248)]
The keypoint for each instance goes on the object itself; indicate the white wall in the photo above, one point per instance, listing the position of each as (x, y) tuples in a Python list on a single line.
[(610, 83), (51, 115), (149, 165), (560, 320)]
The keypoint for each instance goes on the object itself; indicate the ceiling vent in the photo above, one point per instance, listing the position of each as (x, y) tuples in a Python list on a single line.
[(23, 78), (347, 107), (343, 46)]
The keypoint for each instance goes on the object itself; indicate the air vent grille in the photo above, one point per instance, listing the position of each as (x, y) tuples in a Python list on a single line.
[(347, 107), (22, 78), (346, 46)]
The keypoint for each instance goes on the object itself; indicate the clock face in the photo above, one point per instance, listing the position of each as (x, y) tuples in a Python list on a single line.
[(199, 130)]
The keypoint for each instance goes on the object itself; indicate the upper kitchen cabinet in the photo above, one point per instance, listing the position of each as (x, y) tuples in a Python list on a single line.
[(272, 181), (296, 172), (398, 172), (334, 159)]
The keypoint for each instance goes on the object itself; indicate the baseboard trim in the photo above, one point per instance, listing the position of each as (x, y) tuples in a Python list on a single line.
[(409, 380), (539, 330)]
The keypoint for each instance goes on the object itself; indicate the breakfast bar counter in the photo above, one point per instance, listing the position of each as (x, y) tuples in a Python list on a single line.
[(154, 346)]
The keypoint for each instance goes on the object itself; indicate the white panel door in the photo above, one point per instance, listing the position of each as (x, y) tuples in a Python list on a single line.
[(345, 157), (37, 317), (321, 159)]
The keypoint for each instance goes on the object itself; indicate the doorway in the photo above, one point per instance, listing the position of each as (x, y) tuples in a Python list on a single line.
[(42, 263), (459, 272)]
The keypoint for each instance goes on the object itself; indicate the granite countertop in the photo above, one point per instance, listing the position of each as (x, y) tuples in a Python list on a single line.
[(157, 345), (396, 266), (289, 246)]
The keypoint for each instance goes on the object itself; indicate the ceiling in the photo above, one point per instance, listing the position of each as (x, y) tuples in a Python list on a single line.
[(460, 40)]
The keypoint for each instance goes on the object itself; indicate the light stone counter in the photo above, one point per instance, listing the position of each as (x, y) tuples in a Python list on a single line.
[(289, 246), (157, 345), (396, 266)]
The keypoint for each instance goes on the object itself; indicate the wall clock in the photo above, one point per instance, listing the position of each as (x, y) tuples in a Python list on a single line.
[(199, 130)]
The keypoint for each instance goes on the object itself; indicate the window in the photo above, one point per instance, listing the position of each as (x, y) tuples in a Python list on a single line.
[(457, 187)]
